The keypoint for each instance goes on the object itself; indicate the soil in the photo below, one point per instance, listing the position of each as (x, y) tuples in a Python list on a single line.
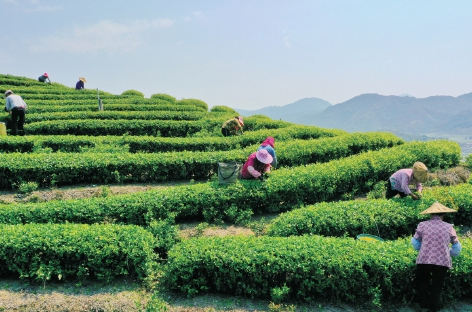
[(78, 191)]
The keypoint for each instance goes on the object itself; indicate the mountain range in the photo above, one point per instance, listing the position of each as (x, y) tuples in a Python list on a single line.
[(407, 115)]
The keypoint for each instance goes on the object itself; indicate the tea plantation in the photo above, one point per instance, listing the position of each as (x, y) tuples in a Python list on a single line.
[(308, 253)]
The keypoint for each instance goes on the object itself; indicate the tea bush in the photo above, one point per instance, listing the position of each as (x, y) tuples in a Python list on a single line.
[(388, 219), (223, 109), (286, 189), (133, 93), (164, 97), (198, 103), (306, 268), (71, 251)]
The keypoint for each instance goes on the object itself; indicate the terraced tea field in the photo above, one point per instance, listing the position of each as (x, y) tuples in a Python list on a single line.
[(122, 208)]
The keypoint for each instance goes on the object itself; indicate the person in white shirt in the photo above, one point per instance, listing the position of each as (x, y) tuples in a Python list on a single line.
[(16, 106)]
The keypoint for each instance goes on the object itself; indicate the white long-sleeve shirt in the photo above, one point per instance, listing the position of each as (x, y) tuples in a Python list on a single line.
[(13, 101)]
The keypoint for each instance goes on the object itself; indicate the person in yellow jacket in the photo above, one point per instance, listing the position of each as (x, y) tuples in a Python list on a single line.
[(233, 126)]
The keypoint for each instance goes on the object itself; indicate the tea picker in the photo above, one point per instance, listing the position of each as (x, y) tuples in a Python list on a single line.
[(257, 166), (436, 242), (398, 183)]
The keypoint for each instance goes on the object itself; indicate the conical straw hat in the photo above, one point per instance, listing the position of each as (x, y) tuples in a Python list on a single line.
[(437, 208), (82, 79)]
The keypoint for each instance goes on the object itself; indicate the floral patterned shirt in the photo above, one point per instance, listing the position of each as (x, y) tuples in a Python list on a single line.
[(435, 236)]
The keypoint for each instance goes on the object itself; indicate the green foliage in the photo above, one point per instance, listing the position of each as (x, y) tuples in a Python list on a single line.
[(166, 234), (223, 109), (133, 93), (107, 161), (305, 268), (280, 294), (70, 251), (105, 191), (258, 227), (168, 128), (468, 163), (161, 139), (200, 228), (117, 115), (198, 103), (388, 219), (131, 105), (287, 188), (260, 116), (156, 304), (27, 187), (164, 97), (378, 191)]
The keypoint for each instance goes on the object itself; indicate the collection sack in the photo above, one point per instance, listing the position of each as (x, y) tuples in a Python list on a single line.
[(228, 172)]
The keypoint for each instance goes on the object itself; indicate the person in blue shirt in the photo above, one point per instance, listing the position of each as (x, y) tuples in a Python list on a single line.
[(80, 84), (44, 78)]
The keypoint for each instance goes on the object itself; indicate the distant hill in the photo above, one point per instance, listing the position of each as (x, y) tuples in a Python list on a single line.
[(373, 112), (293, 112)]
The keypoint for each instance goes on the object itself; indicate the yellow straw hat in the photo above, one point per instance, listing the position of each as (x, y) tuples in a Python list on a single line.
[(82, 79), (437, 208), (420, 172)]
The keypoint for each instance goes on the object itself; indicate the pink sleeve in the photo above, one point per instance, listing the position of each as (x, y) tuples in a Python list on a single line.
[(256, 174), (404, 185), (419, 187)]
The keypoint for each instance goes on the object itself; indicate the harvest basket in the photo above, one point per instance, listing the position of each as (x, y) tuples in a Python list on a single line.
[(369, 238)]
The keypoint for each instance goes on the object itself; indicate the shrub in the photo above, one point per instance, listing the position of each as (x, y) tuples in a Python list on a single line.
[(27, 187), (133, 93), (223, 109), (378, 191), (306, 268), (69, 251), (287, 188), (166, 234), (198, 103), (165, 97)]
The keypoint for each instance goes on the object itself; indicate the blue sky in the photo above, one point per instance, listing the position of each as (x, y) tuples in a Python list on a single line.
[(244, 54)]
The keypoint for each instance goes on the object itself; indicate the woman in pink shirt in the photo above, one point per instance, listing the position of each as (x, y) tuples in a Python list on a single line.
[(399, 182), (256, 165), (432, 238)]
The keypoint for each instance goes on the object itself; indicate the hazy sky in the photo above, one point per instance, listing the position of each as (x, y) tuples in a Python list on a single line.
[(244, 53)]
